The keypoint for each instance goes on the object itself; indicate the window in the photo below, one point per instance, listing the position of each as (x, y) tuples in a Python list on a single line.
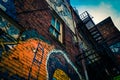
[(56, 29), (115, 47)]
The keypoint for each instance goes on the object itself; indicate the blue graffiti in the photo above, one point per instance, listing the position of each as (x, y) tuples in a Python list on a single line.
[(8, 28), (33, 34), (13, 31), (56, 61), (9, 7), (2, 23)]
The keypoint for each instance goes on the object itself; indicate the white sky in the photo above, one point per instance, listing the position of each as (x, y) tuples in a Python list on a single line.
[(101, 12)]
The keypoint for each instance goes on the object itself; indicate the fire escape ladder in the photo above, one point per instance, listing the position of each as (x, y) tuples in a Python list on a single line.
[(94, 32), (36, 62), (99, 43)]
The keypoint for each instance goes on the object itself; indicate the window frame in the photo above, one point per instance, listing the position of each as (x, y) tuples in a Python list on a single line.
[(59, 31)]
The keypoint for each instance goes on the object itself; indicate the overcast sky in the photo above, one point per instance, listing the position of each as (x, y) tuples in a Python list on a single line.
[(100, 9)]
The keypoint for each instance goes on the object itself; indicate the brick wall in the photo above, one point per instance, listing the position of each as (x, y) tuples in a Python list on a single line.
[(109, 31), (35, 17), (19, 60), (41, 20)]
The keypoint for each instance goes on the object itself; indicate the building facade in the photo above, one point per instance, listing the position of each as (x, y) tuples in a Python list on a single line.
[(104, 66), (48, 40), (39, 43), (111, 36)]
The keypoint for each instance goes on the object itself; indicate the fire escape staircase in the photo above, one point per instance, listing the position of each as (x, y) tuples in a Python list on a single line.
[(94, 38)]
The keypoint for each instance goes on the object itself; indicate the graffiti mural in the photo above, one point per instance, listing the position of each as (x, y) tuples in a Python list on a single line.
[(9, 28), (58, 62), (8, 35), (27, 34), (27, 60), (27, 55), (9, 7), (31, 60)]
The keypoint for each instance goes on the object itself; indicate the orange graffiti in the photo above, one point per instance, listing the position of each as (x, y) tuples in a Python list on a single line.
[(19, 59)]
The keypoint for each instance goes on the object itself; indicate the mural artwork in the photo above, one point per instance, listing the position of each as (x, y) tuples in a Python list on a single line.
[(59, 67), (8, 35), (32, 57), (9, 7)]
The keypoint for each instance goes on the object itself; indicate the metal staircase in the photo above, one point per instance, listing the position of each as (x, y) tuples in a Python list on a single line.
[(91, 27), (94, 39)]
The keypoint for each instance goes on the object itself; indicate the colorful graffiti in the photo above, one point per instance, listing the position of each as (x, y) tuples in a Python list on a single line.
[(29, 59), (32, 57), (8, 35), (58, 59), (9, 28)]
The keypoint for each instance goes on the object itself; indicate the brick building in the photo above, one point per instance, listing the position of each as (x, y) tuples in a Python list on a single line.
[(111, 36), (109, 32), (101, 61), (38, 42), (46, 39)]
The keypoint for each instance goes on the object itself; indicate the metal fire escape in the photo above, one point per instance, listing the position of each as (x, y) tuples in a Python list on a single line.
[(36, 62), (95, 40)]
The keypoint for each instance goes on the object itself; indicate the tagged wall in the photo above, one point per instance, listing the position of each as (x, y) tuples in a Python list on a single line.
[(59, 62), (29, 60), (8, 7), (31, 57), (25, 59), (30, 53)]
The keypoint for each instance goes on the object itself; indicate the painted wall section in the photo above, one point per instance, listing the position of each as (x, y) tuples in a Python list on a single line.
[(60, 75), (58, 59), (19, 60), (9, 28), (9, 7), (63, 11), (31, 57)]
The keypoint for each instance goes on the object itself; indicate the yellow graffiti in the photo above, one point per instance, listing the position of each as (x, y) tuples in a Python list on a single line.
[(60, 75)]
